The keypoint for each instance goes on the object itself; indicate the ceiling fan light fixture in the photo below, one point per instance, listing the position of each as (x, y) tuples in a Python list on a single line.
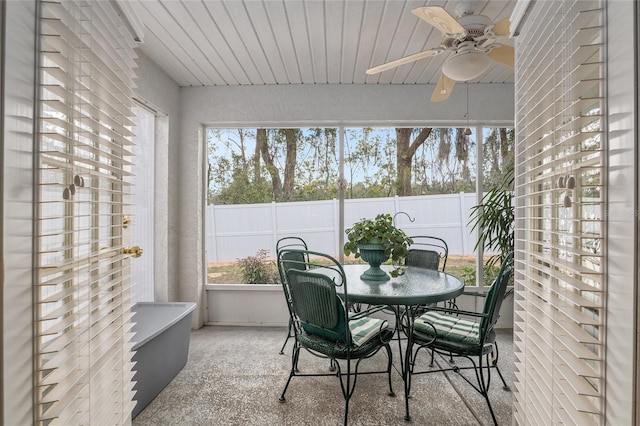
[(466, 65)]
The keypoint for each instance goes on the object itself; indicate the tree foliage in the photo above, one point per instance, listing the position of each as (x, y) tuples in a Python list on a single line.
[(264, 165)]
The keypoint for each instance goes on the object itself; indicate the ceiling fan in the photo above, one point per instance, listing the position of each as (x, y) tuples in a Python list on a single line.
[(471, 40)]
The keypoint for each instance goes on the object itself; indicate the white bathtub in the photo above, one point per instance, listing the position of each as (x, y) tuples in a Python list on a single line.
[(161, 348)]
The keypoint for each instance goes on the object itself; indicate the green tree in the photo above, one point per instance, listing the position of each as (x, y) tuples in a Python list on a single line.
[(385, 177), (228, 172), (291, 138), (239, 187), (497, 154), (361, 158), (261, 165), (267, 156), (462, 155), (405, 151), (282, 142), (317, 171)]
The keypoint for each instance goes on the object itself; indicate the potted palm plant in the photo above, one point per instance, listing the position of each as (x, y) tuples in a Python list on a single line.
[(494, 218), (377, 241)]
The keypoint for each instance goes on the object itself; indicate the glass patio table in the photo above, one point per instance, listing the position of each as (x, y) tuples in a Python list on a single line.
[(404, 295), (417, 286)]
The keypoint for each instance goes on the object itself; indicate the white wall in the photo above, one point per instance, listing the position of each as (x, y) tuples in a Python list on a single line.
[(246, 305), (264, 305), (355, 105), (300, 106), (17, 241), (158, 91)]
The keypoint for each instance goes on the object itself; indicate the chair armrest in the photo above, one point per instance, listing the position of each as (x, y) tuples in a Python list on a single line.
[(367, 312)]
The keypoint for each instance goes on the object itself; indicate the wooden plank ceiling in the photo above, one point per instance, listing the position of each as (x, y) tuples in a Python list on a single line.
[(259, 42)]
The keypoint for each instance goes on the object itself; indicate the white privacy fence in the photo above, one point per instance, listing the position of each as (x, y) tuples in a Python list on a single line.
[(236, 231)]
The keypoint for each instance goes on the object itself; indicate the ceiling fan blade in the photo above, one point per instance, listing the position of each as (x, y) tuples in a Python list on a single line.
[(439, 18), (503, 54), (443, 88), (501, 28), (405, 60)]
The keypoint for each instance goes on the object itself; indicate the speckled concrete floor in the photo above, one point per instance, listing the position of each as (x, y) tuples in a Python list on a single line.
[(234, 376)]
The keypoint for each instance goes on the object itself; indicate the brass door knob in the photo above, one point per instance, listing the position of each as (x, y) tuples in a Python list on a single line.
[(135, 251)]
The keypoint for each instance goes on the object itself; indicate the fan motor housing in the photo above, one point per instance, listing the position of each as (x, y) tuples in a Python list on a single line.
[(474, 26)]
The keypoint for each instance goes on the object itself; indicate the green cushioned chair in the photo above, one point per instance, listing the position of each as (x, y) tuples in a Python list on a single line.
[(429, 253), (316, 291), (295, 260), (458, 333)]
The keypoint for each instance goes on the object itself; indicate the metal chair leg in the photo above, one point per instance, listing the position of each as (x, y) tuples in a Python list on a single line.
[(289, 335), (408, 369), (332, 365), (389, 366), (494, 363), (484, 387), (294, 367)]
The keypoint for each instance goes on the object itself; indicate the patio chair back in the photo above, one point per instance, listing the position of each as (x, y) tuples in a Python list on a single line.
[(315, 302), (310, 280), (494, 298), (428, 252), (290, 260), (293, 259)]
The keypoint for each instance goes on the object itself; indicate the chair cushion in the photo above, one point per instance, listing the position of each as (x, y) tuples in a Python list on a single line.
[(363, 329), (337, 350), (449, 327)]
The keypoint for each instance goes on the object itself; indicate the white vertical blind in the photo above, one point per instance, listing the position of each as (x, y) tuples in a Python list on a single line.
[(559, 302), (83, 316)]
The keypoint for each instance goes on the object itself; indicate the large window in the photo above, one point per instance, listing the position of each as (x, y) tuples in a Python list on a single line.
[(267, 183)]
